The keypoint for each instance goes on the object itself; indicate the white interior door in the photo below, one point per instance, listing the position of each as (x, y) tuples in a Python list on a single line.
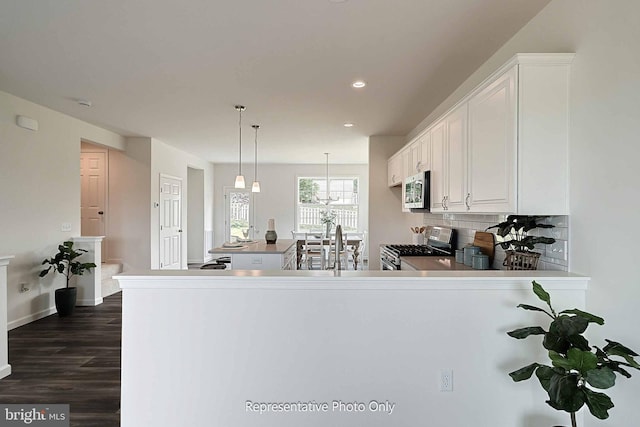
[(92, 195), (170, 223)]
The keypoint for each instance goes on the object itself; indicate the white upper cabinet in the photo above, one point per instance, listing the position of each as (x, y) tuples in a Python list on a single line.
[(416, 157), (425, 152), (456, 193), (394, 170), (439, 175), (449, 161), (492, 147), (504, 147)]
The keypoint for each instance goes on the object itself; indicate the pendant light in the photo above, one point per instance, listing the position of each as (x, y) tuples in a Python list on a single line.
[(240, 179), (329, 199), (255, 188)]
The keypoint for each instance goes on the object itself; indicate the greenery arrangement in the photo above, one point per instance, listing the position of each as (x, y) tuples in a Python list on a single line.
[(576, 366), (328, 217), (64, 262), (514, 232)]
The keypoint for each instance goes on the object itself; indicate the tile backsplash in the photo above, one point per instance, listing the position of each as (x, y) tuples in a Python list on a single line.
[(554, 257)]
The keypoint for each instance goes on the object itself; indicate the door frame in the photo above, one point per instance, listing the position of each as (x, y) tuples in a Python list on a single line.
[(87, 146), (182, 221), (227, 213)]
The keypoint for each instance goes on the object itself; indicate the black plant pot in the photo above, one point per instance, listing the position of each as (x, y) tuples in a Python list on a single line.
[(66, 301)]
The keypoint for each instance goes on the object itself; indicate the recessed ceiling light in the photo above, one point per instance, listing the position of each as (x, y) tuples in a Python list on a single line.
[(348, 125), (358, 84)]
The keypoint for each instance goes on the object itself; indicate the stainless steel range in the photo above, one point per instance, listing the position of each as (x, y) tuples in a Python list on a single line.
[(440, 242)]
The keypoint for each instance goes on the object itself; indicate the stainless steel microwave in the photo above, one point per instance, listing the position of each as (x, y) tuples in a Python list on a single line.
[(416, 191)]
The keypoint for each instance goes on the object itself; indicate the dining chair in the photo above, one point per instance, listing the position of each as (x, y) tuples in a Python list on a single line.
[(343, 254), (313, 248)]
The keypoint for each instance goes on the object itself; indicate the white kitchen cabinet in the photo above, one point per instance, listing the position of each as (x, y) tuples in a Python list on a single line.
[(265, 260), (492, 146), (416, 157), (406, 162), (425, 152), (394, 170), (439, 177), (262, 256), (504, 147), (449, 161), (456, 145), (519, 138)]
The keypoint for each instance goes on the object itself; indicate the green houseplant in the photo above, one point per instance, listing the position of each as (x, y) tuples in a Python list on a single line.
[(328, 218), (576, 367), (518, 245), (65, 263)]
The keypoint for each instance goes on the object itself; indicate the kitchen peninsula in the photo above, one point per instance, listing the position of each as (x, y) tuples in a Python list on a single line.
[(211, 341), (259, 255)]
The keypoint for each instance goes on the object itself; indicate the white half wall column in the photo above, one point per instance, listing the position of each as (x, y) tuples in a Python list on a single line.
[(90, 284), (5, 368)]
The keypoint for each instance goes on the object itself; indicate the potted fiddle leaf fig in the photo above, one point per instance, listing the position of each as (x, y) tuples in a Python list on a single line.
[(577, 369), (65, 262), (518, 245)]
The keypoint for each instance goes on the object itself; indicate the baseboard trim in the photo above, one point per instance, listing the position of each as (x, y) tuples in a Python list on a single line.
[(89, 302), (31, 318), (5, 371), (108, 294)]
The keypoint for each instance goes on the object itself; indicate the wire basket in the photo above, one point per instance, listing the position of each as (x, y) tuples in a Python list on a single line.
[(521, 260)]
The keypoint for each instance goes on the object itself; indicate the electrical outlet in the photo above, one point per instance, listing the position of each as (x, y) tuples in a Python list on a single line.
[(446, 380), (66, 226)]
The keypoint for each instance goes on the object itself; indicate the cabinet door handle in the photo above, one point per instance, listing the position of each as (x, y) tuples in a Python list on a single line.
[(466, 201), (393, 178), (442, 202), (418, 166)]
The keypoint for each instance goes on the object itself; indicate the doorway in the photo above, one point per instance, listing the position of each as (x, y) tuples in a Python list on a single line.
[(196, 239), (93, 192), (238, 207)]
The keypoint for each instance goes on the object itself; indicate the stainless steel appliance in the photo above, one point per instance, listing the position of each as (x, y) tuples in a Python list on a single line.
[(416, 191), (440, 242)]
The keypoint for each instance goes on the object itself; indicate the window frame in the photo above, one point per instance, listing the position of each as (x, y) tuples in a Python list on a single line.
[(332, 206)]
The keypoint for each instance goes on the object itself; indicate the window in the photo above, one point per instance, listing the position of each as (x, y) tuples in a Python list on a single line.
[(312, 203)]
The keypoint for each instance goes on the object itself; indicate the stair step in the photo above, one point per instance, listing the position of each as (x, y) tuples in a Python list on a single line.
[(110, 270), (110, 287)]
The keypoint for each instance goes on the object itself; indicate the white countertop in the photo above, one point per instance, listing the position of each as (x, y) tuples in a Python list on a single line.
[(354, 280), (430, 263), (281, 246)]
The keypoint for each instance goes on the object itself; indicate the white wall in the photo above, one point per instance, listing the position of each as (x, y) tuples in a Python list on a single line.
[(310, 336), (388, 224), (40, 175), (604, 153), (195, 218), (129, 205), (168, 160), (278, 193)]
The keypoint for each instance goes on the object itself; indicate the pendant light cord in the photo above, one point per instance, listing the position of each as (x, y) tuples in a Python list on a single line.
[(240, 144), (255, 170)]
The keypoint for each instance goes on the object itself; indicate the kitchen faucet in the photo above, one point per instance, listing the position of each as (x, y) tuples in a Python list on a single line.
[(338, 248)]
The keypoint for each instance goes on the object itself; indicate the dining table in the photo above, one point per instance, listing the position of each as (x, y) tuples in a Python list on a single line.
[(353, 242)]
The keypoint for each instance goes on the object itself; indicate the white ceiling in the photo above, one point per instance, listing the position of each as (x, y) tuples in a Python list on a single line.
[(174, 70)]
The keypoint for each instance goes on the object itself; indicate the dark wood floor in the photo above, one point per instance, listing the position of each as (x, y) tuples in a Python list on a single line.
[(74, 360)]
